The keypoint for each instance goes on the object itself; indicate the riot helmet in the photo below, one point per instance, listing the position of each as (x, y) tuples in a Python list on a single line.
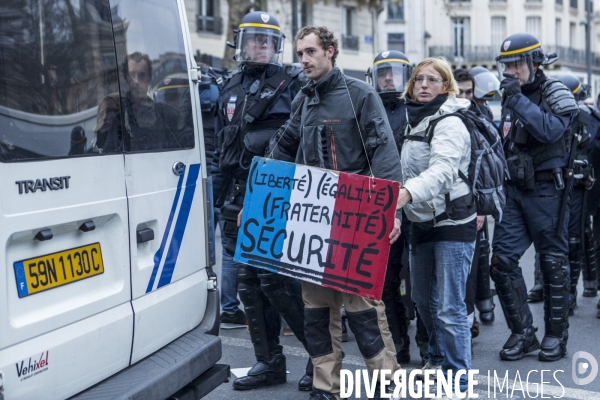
[(486, 83), (258, 40), (390, 72), (518, 55), (580, 90)]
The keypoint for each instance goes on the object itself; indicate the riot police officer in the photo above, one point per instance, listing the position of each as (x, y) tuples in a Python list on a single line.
[(388, 75), (252, 105), (536, 114), (582, 244), (486, 86)]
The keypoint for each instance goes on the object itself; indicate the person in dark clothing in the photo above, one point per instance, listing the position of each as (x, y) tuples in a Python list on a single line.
[(144, 124), (486, 87), (478, 284), (356, 138), (252, 105), (582, 244), (536, 114), (388, 75)]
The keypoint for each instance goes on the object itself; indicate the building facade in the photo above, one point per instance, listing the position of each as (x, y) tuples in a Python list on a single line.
[(354, 26), (470, 32)]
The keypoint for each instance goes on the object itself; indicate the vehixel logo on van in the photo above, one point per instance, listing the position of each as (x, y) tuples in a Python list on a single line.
[(33, 367)]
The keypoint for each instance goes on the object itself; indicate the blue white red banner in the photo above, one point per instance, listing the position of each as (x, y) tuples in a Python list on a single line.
[(326, 227)]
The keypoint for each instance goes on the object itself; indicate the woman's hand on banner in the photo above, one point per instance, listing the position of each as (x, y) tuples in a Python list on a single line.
[(404, 197)]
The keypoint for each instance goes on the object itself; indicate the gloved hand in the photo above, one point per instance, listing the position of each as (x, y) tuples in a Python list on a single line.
[(510, 85)]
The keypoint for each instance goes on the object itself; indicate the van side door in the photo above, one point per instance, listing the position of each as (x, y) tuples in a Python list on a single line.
[(163, 172)]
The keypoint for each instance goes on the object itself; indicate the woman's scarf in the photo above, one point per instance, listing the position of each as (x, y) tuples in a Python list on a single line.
[(418, 111)]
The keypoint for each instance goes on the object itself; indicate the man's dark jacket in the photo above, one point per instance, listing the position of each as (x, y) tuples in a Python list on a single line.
[(324, 131)]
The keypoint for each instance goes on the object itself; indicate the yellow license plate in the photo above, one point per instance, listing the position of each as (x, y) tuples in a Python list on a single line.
[(52, 270)]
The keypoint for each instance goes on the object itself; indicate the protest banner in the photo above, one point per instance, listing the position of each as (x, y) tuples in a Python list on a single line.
[(326, 227)]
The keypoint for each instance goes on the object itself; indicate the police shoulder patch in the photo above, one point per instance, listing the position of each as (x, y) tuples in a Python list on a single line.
[(558, 98)]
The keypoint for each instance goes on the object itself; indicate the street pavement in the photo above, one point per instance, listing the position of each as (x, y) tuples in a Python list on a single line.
[(524, 376)]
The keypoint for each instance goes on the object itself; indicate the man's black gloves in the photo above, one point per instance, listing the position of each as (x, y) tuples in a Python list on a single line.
[(510, 85)]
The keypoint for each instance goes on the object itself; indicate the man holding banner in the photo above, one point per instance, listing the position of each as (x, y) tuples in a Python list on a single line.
[(339, 123), (252, 105)]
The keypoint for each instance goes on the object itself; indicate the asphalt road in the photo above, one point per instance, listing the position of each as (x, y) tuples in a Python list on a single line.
[(524, 376)]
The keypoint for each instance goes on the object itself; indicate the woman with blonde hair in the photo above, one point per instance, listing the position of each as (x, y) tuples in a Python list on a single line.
[(442, 210)]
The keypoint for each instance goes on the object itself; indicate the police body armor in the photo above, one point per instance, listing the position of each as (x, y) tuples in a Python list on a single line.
[(524, 152), (248, 129)]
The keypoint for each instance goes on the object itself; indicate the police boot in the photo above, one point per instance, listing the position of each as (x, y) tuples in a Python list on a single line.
[(590, 272), (306, 382), (574, 272), (270, 366), (536, 294), (512, 295), (556, 306), (264, 373), (484, 300)]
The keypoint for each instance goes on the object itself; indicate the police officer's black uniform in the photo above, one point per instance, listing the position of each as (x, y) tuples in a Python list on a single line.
[(389, 74), (535, 117), (252, 105), (582, 246), (486, 85)]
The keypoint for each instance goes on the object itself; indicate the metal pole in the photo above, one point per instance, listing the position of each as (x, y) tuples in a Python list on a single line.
[(294, 27), (588, 40)]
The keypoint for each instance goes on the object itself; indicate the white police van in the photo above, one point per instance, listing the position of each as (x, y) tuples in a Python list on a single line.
[(106, 237)]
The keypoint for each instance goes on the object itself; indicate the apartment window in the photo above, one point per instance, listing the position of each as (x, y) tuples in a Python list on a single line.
[(498, 31), (557, 32), (460, 35), (350, 37), (573, 3), (533, 25), (209, 19), (572, 35), (396, 41), (559, 2), (395, 10)]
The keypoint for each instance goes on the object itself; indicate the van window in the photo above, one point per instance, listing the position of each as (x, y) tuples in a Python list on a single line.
[(58, 78), (155, 102)]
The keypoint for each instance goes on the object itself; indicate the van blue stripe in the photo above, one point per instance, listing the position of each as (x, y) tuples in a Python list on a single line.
[(159, 253), (182, 218)]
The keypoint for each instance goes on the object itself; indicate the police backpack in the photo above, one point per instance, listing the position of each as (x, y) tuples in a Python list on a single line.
[(487, 166)]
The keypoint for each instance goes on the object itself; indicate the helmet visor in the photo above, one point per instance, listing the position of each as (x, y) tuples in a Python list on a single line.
[(518, 65), (390, 76), (259, 46), (486, 84)]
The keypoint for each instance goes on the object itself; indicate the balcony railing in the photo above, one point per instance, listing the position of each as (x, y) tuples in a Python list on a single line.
[(487, 54), (468, 54), (349, 42)]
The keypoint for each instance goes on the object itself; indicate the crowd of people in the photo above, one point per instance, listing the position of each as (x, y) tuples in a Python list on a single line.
[(429, 127)]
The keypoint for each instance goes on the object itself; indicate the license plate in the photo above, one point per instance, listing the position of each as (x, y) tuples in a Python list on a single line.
[(52, 270)]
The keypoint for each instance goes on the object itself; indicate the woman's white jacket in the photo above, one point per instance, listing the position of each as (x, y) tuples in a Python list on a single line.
[(431, 171)]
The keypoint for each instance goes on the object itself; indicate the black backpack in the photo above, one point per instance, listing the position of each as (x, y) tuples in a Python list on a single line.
[(487, 165)]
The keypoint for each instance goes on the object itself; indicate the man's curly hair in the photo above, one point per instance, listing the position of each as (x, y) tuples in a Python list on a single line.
[(326, 38)]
